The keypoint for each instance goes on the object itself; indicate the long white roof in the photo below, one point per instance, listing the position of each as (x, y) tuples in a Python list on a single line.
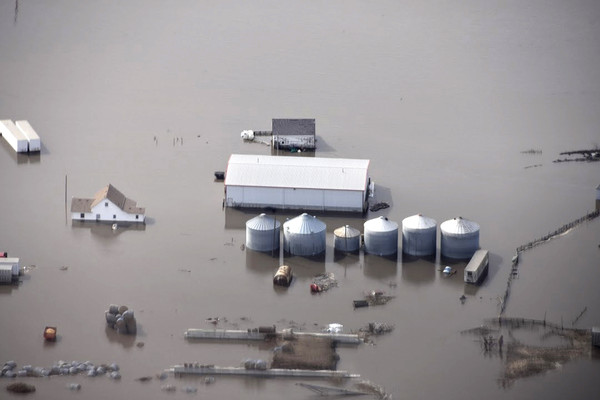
[(297, 172)]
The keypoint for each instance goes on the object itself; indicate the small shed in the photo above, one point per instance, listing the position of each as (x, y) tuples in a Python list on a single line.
[(109, 204), (294, 134)]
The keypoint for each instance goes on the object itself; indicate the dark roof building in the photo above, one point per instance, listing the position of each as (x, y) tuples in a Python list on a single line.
[(294, 134)]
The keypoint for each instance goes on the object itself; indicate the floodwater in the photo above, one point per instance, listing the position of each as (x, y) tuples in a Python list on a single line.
[(151, 96)]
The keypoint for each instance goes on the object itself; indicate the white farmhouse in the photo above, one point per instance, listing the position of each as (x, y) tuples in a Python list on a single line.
[(298, 183), (107, 205)]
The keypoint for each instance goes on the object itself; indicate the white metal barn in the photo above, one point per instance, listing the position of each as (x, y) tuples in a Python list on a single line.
[(107, 205), (14, 136), (304, 183), (32, 137)]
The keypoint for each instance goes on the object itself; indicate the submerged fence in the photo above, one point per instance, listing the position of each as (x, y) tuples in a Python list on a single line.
[(515, 260)]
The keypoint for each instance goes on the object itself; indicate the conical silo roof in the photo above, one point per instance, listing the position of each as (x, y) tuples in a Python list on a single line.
[(304, 224), (346, 231), (262, 222), (418, 222), (459, 226), (380, 224)]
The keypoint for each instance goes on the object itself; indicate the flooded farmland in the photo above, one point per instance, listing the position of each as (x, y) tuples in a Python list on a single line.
[(445, 100)]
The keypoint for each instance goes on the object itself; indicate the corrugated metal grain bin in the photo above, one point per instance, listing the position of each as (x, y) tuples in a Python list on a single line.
[(459, 238), (419, 235), (304, 235), (263, 233), (6, 275), (381, 236), (346, 238)]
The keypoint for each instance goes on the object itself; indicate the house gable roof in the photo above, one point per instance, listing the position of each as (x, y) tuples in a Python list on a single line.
[(293, 127), (110, 193)]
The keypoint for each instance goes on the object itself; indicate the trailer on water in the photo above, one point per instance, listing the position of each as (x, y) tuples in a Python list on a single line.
[(14, 136), (477, 267), (31, 135)]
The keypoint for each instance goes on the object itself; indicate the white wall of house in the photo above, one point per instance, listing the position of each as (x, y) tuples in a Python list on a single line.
[(290, 198), (107, 211)]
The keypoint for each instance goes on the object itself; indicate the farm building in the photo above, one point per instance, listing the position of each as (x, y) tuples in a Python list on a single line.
[(107, 205), (294, 134), (300, 183)]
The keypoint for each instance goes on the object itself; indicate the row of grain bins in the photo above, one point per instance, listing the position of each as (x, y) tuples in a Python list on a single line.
[(305, 235)]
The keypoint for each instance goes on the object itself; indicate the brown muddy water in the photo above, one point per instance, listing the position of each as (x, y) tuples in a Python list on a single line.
[(151, 96)]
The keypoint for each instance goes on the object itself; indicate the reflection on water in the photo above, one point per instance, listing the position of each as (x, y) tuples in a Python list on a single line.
[(418, 272), (106, 230), (262, 262), (126, 341), (380, 267)]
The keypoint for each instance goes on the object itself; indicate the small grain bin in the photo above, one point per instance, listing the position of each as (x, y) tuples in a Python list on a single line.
[(459, 238), (419, 235), (381, 236), (346, 238), (262, 233), (304, 236)]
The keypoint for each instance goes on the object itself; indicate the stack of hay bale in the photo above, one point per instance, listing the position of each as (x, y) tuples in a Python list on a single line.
[(122, 319)]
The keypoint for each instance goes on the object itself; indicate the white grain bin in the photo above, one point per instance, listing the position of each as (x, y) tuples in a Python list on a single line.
[(419, 235), (304, 235), (346, 238), (262, 233), (381, 236), (460, 238)]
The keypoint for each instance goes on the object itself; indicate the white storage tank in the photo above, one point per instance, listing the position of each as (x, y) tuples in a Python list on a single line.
[(346, 238), (263, 233), (381, 236), (304, 236), (419, 235), (459, 238)]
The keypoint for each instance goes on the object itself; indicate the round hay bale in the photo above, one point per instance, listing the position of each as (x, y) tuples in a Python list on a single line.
[(110, 318), (127, 315), (122, 309), (131, 326), (113, 309)]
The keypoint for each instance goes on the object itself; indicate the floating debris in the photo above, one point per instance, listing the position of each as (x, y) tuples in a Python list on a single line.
[(379, 206), (168, 388), (144, 379), (323, 282), (378, 328), (377, 297), (531, 151)]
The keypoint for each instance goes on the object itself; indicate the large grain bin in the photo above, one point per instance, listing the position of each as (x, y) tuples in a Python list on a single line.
[(262, 233), (459, 238), (381, 236), (304, 236), (346, 238), (419, 235)]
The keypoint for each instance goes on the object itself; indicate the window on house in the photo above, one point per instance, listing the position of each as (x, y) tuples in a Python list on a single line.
[(81, 215), (114, 216), (106, 204)]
